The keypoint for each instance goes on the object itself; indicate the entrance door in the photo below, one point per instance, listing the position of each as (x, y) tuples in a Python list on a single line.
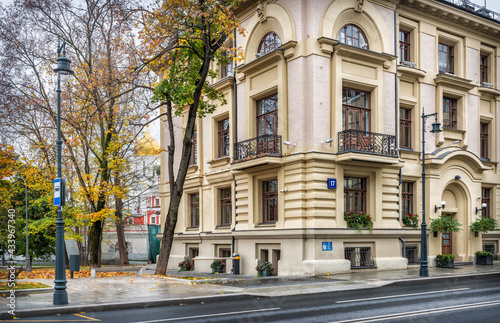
[(446, 243)]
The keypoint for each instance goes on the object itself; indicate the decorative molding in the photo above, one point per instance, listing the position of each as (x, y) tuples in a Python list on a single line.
[(366, 55), (261, 11), (454, 81), (327, 44), (359, 5)]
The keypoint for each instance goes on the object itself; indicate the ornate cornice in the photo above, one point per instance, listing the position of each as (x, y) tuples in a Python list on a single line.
[(455, 15)]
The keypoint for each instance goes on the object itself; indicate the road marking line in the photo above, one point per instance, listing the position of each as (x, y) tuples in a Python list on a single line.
[(87, 317), (210, 315), (420, 312), (401, 295)]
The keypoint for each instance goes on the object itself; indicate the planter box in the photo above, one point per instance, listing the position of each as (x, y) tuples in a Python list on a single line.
[(484, 260), (449, 264)]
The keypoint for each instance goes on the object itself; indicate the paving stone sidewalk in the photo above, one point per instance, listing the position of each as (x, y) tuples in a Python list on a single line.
[(93, 294)]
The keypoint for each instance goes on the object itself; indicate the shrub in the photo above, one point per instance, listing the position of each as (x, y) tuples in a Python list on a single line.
[(218, 264), (265, 266), (186, 265), (444, 258), (358, 220), (484, 253)]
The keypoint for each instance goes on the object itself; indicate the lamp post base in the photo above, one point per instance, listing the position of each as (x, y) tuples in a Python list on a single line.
[(28, 264), (60, 297), (424, 270)]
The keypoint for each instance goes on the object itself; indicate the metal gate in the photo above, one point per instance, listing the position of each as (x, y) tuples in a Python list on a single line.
[(154, 242)]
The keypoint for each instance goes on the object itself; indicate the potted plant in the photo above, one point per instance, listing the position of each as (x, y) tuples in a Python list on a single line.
[(484, 225), (264, 269), (217, 266), (358, 220), (410, 220), (445, 260), (186, 265)]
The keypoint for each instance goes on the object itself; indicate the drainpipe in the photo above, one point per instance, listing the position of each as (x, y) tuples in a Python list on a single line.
[(396, 103), (235, 135), (404, 246), (396, 107)]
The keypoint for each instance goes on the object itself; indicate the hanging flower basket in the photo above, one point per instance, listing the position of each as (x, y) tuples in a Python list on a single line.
[(410, 220)]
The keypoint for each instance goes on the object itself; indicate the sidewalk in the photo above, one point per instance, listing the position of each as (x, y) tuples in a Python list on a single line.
[(107, 293)]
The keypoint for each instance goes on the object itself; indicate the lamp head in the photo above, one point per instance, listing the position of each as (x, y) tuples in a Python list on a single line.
[(63, 68), (436, 127)]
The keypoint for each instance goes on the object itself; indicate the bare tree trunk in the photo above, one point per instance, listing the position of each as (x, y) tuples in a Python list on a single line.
[(168, 235)]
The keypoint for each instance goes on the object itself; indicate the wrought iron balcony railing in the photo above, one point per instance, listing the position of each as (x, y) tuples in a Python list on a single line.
[(266, 145), (367, 142), (474, 8)]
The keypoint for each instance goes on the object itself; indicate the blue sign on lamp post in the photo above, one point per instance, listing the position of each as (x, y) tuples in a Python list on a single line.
[(57, 192)]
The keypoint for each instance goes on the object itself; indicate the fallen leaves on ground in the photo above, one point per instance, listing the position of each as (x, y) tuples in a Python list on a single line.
[(49, 273), (23, 285)]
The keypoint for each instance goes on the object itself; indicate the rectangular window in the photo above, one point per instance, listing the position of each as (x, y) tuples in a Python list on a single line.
[(407, 197), (157, 201), (405, 128), (226, 69), (485, 198), (404, 46), (223, 134), (446, 59), (484, 140), (153, 220), (483, 65), (354, 194), (267, 116), (195, 210), (270, 201), (450, 113), (194, 150), (355, 110), (225, 207)]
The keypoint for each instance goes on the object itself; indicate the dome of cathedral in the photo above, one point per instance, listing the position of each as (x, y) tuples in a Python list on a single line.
[(147, 146)]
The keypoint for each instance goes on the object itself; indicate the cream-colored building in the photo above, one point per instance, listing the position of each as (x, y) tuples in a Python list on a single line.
[(336, 90)]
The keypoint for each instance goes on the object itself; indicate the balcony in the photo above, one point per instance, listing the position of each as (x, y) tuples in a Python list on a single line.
[(357, 141), (265, 145)]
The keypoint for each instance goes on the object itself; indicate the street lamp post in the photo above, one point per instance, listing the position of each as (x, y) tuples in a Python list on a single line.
[(424, 268), (28, 260), (63, 73)]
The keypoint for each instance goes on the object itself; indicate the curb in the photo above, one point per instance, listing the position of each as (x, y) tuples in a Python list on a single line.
[(124, 305), (69, 309), (29, 291)]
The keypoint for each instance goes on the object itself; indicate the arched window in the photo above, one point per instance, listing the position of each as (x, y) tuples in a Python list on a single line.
[(352, 35), (269, 42)]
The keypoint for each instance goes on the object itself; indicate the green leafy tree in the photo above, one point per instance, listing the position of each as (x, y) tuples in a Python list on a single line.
[(484, 225), (445, 223), (182, 40)]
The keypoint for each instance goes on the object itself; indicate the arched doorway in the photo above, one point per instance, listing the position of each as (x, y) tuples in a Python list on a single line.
[(456, 243)]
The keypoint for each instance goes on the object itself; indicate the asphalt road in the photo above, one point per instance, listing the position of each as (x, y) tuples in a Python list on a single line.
[(475, 299)]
